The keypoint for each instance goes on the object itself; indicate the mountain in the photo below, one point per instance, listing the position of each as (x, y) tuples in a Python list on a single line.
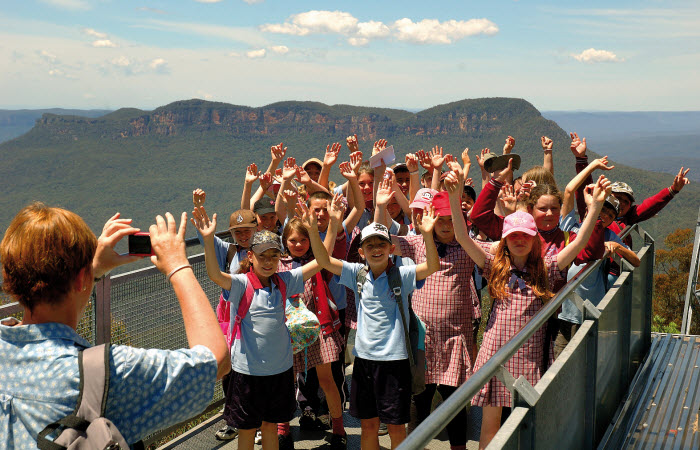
[(14, 123), (144, 163)]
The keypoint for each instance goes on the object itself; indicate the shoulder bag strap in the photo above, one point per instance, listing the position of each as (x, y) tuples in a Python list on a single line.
[(395, 285)]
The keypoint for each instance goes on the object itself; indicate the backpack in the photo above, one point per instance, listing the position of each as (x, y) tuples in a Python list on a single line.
[(410, 326), (87, 427)]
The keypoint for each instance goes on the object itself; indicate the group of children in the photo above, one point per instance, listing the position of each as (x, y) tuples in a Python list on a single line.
[(358, 254)]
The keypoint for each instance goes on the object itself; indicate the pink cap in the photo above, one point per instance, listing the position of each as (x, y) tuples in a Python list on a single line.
[(424, 197), (519, 221)]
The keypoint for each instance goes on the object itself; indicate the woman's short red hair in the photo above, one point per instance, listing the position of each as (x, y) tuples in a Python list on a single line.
[(43, 250)]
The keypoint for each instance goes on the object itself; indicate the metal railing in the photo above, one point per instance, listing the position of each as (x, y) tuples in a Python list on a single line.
[(576, 399), (140, 309), (692, 294)]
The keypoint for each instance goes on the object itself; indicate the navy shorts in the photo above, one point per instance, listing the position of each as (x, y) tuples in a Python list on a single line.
[(381, 389), (252, 399)]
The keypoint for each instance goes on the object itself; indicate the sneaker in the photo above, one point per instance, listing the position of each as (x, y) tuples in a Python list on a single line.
[(383, 430), (339, 442), (324, 422), (285, 441), (226, 433), (307, 421), (258, 437)]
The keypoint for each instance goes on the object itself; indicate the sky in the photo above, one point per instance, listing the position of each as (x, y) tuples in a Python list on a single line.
[(559, 55)]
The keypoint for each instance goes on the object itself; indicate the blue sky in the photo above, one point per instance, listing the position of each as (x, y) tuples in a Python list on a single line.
[(595, 55)]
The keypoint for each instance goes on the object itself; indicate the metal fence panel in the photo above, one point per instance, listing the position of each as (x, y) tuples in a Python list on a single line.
[(640, 311)]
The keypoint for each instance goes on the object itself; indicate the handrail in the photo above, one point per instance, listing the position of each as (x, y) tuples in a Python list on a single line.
[(690, 291), (431, 426)]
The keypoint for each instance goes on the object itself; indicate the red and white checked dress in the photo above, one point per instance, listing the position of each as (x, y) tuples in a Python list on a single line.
[(327, 348), (447, 304), (508, 317)]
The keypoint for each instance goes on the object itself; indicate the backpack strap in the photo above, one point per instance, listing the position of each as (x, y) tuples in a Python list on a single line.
[(361, 279), (395, 285), (566, 238), (247, 299), (230, 254)]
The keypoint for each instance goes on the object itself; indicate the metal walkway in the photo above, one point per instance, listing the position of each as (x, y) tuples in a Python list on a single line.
[(661, 409)]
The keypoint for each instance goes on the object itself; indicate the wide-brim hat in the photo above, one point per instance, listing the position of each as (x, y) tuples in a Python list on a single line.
[(494, 163)]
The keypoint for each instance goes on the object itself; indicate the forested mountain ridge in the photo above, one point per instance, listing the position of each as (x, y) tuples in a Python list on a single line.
[(142, 163)]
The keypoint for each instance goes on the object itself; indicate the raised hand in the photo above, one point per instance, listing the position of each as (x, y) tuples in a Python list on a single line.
[(355, 161), (426, 222), (336, 209), (290, 196), (411, 162), (598, 192), (507, 196), (302, 176), (200, 220), (378, 146), (106, 258), (480, 159), (289, 169), (198, 197), (611, 247), (168, 243), (504, 174), (508, 146), (452, 185), (307, 218), (680, 180), (436, 157), (602, 163), (251, 174), (346, 170), (351, 142), (331, 155), (578, 146), (424, 160), (453, 165), (547, 143), (465, 157), (524, 191), (469, 182), (265, 181), (384, 193), (278, 151)]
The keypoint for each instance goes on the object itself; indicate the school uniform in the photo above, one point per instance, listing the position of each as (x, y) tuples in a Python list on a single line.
[(509, 315)]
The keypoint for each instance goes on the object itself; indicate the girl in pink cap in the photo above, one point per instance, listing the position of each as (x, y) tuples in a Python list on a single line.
[(520, 283)]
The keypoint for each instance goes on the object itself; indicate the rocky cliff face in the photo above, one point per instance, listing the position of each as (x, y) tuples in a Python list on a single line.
[(465, 117)]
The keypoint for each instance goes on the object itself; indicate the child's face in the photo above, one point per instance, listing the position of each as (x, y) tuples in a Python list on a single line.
[(298, 244), (243, 236), (376, 251), (265, 264), (519, 243), (426, 181), (393, 208), (319, 207), (404, 180), (546, 212), (625, 203), (366, 182), (607, 215), (467, 202), (267, 221), (444, 230), (314, 171)]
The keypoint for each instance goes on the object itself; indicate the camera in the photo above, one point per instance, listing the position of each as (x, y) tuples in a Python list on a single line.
[(140, 244)]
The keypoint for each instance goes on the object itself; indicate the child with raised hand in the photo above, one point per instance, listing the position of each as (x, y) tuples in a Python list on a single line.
[(381, 382), (520, 280), (260, 393)]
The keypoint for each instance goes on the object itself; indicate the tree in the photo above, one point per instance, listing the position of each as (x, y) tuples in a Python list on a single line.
[(671, 279)]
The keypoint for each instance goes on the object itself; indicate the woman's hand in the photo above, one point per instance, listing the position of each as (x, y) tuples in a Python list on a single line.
[(200, 219), (106, 258), (168, 244)]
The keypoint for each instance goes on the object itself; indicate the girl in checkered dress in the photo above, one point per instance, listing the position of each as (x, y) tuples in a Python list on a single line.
[(520, 281), (328, 346)]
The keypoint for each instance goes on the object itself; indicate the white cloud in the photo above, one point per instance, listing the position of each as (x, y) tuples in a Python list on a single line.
[(279, 49), (104, 43), (158, 64), (205, 95), (233, 54), (122, 61), (75, 5), (48, 57), (431, 31), (372, 30), (255, 54), (595, 56), (358, 42), (94, 33), (253, 2), (315, 22)]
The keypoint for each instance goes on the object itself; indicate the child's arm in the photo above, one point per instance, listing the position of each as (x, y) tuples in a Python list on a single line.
[(454, 188), (578, 148), (467, 162), (324, 261), (568, 254), (330, 157), (384, 196), (577, 181), (398, 195), (349, 171), (305, 179), (436, 161), (277, 153), (207, 228), (265, 183), (652, 205), (425, 225), (251, 176), (282, 207), (485, 176), (336, 211), (378, 171), (482, 213), (624, 252), (547, 146), (414, 173)]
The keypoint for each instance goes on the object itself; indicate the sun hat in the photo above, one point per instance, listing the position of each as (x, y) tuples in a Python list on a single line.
[(312, 161), (620, 187), (493, 162), (243, 218), (519, 221), (424, 197), (265, 240), (375, 229)]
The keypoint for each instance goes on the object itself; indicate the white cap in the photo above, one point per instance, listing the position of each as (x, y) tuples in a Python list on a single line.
[(375, 229)]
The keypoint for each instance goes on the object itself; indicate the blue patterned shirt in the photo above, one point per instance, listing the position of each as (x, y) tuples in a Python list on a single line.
[(149, 389)]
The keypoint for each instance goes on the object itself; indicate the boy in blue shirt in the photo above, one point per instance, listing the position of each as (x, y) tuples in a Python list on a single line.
[(381, 380)]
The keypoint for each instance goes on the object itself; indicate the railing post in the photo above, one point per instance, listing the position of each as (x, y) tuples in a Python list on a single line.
[(589, 418), (103, 311), (649, 290)]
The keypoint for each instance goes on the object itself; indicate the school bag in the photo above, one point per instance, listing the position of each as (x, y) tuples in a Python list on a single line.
[(410, 326), (87, 428)]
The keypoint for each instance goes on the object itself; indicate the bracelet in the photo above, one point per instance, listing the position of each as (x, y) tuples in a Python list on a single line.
[(415, 171), (178, 268)]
